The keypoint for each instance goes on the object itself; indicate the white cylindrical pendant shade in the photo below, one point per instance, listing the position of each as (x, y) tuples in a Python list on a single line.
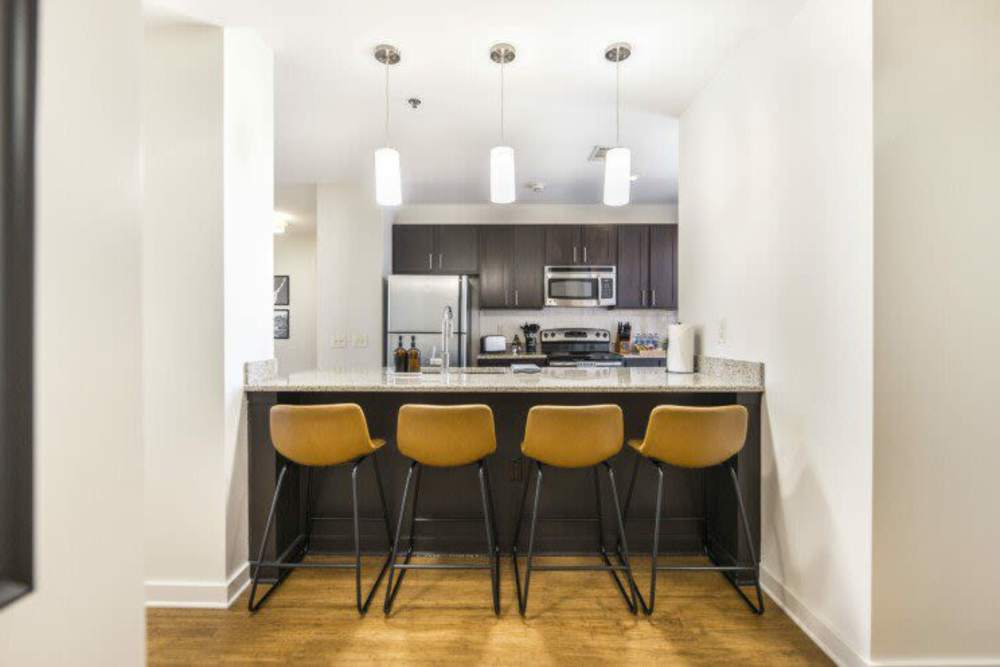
[(502, 175), (617, 176), (388, 187)]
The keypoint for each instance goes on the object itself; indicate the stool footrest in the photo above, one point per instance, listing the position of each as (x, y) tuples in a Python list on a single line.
[(346, 518), (584, 568), (440, 566)]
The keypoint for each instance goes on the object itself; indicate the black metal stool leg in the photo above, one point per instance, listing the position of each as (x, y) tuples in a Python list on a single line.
[(390, 591), (759, 608), (381, 497), (490, 536), (255, 573), (633, 604), (656, 543), (602, 543), (631, 487), (309, 521), (522, 601)]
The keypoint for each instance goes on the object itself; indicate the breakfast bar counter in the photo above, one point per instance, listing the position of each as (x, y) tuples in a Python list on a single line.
[(700, 507)]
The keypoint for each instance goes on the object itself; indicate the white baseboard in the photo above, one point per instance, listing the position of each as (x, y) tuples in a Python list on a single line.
[(822, 634), (198, 594)]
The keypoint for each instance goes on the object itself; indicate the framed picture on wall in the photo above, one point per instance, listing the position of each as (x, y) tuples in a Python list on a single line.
[(282, 292), (281, 330)]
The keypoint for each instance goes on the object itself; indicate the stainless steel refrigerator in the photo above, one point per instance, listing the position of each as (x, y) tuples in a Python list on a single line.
[(414, 306)]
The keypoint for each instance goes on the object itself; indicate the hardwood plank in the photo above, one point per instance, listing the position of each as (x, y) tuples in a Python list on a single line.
[(445, 617)]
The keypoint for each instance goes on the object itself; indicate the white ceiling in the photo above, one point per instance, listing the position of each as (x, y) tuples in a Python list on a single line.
[(559, 92)]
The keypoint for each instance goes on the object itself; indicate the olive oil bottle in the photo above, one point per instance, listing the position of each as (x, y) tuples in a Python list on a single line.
[(413, 356), (399, 358)]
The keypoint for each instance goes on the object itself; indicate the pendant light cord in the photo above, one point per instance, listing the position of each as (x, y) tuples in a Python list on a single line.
[(387, 100), (503, 57), (618, 100)]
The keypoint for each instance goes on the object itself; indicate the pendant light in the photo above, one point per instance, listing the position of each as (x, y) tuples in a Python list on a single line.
[(618, 160), (502, 156), (388, 188)]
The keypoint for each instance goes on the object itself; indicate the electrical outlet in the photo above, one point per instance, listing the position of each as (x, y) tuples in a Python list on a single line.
[(722, 333), (360, 340), (339, 340)]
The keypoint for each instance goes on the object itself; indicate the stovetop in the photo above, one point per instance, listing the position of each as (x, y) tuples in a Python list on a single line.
[(579, 346)]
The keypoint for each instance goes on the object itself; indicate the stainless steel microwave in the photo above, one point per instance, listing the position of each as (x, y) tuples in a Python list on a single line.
[(580, 286)]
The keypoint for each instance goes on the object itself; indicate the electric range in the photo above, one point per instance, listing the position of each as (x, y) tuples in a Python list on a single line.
[(579, 348)]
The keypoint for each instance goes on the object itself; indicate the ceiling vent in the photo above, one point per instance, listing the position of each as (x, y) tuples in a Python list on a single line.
[(598, 154)]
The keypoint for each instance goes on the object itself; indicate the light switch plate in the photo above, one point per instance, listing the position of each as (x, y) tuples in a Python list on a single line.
[(339, 341), (360, 340)]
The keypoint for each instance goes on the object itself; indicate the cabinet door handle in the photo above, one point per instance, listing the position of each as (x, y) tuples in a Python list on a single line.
[(584, 254), (440, 260), (505, 297), (574, 254), (430, 261), (515, 298), (654, 297), (643, 293)]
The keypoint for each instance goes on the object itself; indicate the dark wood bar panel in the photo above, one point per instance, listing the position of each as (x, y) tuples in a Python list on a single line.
[(700, 508)]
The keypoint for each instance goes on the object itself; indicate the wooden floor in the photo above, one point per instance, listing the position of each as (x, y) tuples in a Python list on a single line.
[(446, 617)]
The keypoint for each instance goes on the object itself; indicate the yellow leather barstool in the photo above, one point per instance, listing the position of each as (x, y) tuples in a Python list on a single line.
[(574, 437), (695, 438), (314, 436), (445, 436)]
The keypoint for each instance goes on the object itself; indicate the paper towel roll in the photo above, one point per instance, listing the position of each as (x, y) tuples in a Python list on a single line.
[(680, 348)]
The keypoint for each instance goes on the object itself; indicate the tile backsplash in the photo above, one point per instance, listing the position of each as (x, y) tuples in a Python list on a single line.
[(508, 322)]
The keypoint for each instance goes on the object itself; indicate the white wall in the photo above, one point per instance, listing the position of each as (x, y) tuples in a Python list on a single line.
[(351, 236), (485, 214), (295, 257), (183, 303), (776, 209), (248, 183), (208, 155), (87, 605), (937, 244)]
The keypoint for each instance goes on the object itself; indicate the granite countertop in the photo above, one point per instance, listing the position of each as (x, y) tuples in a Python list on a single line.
[(729, 377)]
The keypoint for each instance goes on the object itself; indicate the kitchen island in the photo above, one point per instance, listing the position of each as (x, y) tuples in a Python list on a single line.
[(700, 510)]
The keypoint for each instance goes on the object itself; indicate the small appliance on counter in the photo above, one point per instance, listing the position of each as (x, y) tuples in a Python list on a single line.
[(496, 343), (515, 347), (530, 337)]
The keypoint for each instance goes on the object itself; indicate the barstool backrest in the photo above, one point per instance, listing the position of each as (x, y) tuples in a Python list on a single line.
[(445, 435), (573, 436), (320, 435), (692, 437)]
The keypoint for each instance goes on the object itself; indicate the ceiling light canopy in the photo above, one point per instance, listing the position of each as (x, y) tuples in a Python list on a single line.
[(502, 190), (388, 181), (618, 160)]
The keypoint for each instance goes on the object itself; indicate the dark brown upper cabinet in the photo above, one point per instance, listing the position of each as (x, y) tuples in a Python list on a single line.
[(435, 249), (496, 255), (580, 244), (529, 266), (599, 244), (511, 266), (647, 266)]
